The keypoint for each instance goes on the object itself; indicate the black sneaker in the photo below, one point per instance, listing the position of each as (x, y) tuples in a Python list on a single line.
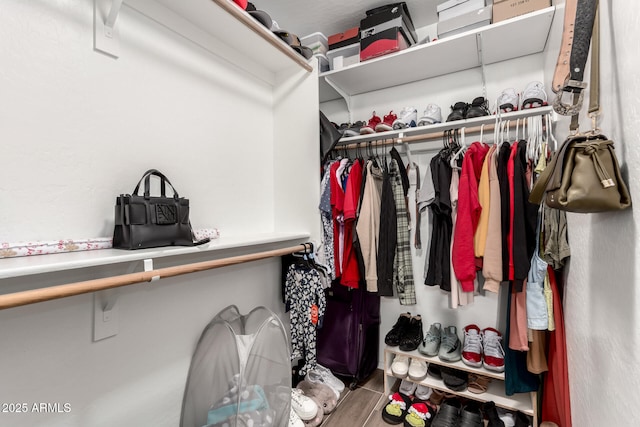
[(478, 108), (433, 371), (470, 416), (489, 409), (398, 331), (413, 336), (448, 415), (454, 379), (458, 111)]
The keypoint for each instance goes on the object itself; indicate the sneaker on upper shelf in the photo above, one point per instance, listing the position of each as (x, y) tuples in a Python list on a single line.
[(458, 111), (387, 122), (477, 108), (432, 114), (508, 101), (431, 342), (493, 352), (472, 346), (450, 347), (407, 118), (370, 127), (534, 96)]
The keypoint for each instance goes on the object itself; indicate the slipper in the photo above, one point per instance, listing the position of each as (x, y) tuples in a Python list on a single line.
[(454, 379), (397, 408), (478, 383)]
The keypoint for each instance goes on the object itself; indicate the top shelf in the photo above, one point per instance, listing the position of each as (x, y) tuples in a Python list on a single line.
[(238, 37), (519, 36)]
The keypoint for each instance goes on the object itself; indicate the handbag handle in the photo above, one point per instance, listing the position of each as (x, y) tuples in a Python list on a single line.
[(163, 179)]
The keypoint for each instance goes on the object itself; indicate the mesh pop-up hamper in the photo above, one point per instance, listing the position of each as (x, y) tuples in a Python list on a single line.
[(240, 373)]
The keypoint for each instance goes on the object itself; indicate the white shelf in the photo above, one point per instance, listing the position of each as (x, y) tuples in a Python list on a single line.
[(225, 30), (519, 36), (37, 264), (522, 402), (441, 127)]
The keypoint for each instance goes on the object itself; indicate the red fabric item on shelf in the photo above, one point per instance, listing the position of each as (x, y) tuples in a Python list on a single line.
[(556, 398), (350, 269)]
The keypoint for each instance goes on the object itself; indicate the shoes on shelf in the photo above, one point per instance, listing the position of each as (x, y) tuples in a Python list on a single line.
[(508, 101), (472, 346), (400, 366), (351, 129), (449, 414), (387, 122), (413, 335), (454, 379), (417, 370), (523, 420), (430, 345), (450, 347), (534, 96), (471, 415), (478, 384), (493, 415), (423, 392), (395, 411), (407, 387), (477, 108), (420, 414), (458, 111), (437, 396), (330, 379), (370, 127), (434, 371), (493, 359), (324, 396), (432, 115), (304, 406), (397, 332), (407, 118)]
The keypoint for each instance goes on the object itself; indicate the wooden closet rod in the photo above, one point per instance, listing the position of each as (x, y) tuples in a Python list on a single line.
[(67, 290)]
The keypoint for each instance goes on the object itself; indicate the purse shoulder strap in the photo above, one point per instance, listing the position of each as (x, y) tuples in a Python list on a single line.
[(594, 78)]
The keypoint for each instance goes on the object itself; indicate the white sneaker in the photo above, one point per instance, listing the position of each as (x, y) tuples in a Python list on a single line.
[(333, 381), (406, 119), (294, 419), (432, 114), (303, 405), (315, 376), (407, 387), (423, 392), (417, 370), (400, 366), (508, 101), (534, 96)]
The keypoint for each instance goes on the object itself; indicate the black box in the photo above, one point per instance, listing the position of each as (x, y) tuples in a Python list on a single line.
[(389, 16), (383, 43)]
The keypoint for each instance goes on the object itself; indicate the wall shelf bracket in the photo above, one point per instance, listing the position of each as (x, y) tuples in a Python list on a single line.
[(106, 36), (343, 94), (482, 63)]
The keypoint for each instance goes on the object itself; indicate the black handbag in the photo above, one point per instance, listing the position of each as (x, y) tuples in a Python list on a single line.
[(148, 221)]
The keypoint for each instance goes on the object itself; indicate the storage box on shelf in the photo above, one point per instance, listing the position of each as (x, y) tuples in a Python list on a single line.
[(465, 22), (496, 42), (506, 9), (346, 38), (452, 8), (523, 402), (317, 42), (344, 56)]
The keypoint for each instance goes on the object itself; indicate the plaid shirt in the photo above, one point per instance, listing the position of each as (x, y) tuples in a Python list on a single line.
[(402, 264)]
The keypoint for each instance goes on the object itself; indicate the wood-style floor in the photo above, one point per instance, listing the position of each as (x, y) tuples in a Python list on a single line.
[(360, 407)]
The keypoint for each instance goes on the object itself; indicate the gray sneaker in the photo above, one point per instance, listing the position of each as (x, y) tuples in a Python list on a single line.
[(431, 342), (450, 346)]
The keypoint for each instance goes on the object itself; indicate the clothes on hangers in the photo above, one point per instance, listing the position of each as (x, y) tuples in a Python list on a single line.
[(306, 303), (492, 262), (368, 225), (327, 220)]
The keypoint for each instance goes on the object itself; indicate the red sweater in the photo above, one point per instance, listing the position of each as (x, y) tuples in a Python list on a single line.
[(469, 209)]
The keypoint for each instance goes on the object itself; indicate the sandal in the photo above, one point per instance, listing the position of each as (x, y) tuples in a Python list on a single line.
[(478, 383)]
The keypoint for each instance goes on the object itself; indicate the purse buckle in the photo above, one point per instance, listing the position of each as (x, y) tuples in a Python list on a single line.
[(574, 108)]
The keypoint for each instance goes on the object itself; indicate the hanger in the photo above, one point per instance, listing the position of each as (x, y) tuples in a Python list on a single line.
[(453, 162)]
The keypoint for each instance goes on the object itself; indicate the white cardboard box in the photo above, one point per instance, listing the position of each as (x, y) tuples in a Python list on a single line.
[(465, 22), (344, 56)]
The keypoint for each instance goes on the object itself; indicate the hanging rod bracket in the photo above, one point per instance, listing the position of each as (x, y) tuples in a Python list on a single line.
[(106, 36), (148, 266), (105, 314)]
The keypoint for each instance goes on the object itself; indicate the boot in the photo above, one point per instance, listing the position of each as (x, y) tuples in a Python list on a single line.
[(522, 420), (490, 411)]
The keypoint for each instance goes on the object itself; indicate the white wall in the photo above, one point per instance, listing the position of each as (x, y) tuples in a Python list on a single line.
[(77, 129), (602, 301)]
